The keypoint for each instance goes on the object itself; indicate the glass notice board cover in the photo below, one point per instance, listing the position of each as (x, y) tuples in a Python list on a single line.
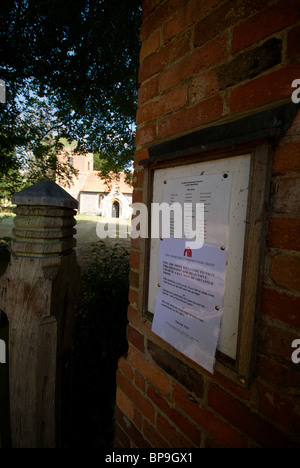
[(222, 185)]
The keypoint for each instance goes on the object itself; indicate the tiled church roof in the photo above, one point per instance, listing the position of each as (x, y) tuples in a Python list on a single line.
[(93, 183)]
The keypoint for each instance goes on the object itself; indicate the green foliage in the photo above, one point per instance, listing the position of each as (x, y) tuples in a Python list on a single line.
[(98, 161), (100, 340), (70, 70), (10, 183)]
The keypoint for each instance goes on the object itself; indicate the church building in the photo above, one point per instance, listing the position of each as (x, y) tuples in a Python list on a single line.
[(95, 195)]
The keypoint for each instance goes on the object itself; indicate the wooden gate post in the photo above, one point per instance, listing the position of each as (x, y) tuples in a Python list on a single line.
[(37, 293)]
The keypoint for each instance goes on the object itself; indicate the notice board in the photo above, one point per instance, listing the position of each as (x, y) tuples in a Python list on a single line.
[(190, 286)]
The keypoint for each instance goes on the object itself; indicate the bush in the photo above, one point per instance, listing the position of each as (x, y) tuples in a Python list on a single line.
[(99, 342)]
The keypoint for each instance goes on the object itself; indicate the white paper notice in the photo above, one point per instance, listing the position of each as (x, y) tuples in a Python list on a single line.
[(191, 280), (213, 190)]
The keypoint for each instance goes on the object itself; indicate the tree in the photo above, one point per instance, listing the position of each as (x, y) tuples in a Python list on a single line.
[(37, 153), (70, 68)]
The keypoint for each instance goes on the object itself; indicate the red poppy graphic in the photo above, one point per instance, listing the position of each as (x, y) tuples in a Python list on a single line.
[(188, 252)]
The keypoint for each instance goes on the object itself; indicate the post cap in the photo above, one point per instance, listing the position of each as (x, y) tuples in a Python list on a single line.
[(45, 193)]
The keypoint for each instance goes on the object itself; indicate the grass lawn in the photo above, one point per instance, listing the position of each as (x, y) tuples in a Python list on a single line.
[(86, 228)]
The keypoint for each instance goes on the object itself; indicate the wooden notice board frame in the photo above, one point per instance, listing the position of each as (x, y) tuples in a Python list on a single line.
[(226, 144), (259, 183)]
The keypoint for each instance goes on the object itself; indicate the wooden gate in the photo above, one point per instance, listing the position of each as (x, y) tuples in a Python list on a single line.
[(5, 435), (38, 293)]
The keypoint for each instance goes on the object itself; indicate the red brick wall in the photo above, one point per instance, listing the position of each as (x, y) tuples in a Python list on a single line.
[(203, 61)]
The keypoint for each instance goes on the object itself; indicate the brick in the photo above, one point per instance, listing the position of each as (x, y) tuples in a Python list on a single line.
[(148, 91), (134, 436), (212, 25), (206, 420), (166, 56), (204, 86), (287, 158), (138, 178), (150, 371), (153, 437), (136, 243), (145, 134), (284, 233), (186, 402), (246, 420), (170, 102), (188, 16), (270, 370), (136, 397), (279, 409), (161, 14), (154, 64), (222, 432), (281, 306), (121, 439), (134, 259), (173, 436), (148, 7), (138, 418), (179, 47), (285, 271), (190, 118), (278, 342), (140, 155), (156, 397), (140, 381), (134, 279), (125, 367), (132, 313), (265, 23), (294, 130), (183, 373), (135, 338), (228, 14), (288, 195), (189, 429), (133, 298), (211, 444), (263, 90), (232, 386), (137, 196), (293, 44), (150, 46), (204, 57), (125, 405), (250, 64)]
